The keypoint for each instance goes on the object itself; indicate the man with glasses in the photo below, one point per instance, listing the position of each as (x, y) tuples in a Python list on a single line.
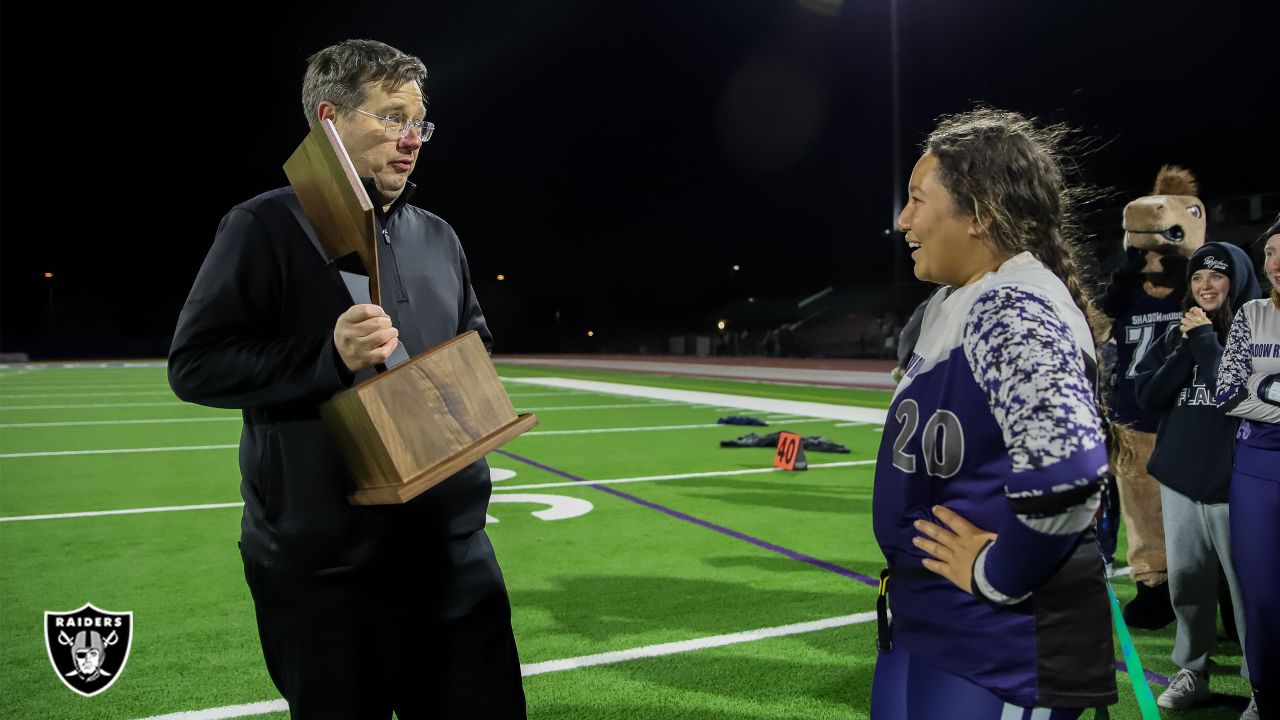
[(361, 610)]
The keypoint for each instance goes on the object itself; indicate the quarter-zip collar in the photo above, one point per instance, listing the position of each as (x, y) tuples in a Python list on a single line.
[(372, 191), (384, 235)]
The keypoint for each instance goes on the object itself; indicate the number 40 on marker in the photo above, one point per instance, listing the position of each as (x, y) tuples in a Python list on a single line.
[(790, 454)]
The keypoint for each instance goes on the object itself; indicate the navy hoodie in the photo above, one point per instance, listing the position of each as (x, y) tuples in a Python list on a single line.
[(1177, 378)]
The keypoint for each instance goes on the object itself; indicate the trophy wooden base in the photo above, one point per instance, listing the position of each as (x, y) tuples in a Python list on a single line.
[(403, 492), (406, 430)]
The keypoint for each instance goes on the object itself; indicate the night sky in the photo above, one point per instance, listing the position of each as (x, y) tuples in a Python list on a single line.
[(614, 159)]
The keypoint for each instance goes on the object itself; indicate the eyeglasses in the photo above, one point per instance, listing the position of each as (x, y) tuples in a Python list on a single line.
[(399, 126)]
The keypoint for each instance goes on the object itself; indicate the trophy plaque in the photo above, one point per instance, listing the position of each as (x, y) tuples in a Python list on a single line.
[(409, 427)]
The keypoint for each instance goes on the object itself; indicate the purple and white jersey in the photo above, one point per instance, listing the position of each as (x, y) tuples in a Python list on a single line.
[(1253, 355), (996, 420)]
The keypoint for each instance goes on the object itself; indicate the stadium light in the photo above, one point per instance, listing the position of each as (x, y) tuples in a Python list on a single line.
[(48, 276), (501, 277), (720, 325), (591, 333)]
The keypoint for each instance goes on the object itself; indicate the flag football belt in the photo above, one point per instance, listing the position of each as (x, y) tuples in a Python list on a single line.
[(884, 633)]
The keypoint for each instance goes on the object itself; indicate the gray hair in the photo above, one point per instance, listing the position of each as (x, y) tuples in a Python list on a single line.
[(341, 73)]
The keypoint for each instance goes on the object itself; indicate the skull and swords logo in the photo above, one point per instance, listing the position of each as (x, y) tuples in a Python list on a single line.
[(88, 647)]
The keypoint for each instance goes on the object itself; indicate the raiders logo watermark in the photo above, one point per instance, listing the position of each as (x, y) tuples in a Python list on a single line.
[(88, 647)]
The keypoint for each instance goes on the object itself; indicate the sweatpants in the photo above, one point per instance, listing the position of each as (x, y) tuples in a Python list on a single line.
[(1198, 540), (431, 641)]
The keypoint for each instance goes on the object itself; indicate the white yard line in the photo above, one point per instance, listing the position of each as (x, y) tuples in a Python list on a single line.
[(113, 365), (181, 449), (683, 646), (777, 375), (651, 427), (592, 431), (7, 408), (600, 407), (157, 421), (114, 386), (581, 661), (496, 487), (86, 394), (55, 453), (640, 391), (811, 410), (227, 711), (807, 409), (133, 511), (118, 451), (683, 476)]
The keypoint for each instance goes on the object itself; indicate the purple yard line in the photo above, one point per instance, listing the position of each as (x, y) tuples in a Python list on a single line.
[(1152, 677), (831, 567), (1156, 678)]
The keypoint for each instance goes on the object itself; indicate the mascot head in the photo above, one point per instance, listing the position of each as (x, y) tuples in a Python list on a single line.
[(1170, 221)]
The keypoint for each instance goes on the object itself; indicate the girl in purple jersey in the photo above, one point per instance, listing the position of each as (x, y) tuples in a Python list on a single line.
[(1249, 388), (989, 472)]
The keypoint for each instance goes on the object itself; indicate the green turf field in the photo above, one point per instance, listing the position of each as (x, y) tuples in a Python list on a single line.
[(681, 593)]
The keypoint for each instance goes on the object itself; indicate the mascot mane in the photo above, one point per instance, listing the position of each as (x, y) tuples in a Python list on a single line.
[(1174, 180)]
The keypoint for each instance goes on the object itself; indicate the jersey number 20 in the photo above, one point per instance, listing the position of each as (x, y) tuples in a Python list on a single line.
[(941, 441)]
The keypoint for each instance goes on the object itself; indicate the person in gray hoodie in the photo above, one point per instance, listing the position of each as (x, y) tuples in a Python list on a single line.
[(1193, 459)]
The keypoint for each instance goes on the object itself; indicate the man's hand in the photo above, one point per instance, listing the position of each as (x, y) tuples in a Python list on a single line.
[(955, 545), (364, 337), (1193, 319)]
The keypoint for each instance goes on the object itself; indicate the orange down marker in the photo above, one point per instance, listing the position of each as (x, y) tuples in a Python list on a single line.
[(790, 455)]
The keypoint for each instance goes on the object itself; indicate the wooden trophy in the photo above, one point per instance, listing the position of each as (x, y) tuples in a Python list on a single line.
[(406, 429)]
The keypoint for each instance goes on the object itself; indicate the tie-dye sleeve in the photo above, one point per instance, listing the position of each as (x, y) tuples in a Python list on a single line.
[(1236, 366), (1025, 358)]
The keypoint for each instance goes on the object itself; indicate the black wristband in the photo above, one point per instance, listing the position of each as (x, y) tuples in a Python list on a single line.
[(1269, 389)]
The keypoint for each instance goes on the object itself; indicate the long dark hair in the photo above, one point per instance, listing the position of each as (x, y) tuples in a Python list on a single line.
[(1007, 171), (1220, 318)]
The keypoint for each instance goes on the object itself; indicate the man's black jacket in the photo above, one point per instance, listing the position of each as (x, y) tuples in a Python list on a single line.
[(256, 333)]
